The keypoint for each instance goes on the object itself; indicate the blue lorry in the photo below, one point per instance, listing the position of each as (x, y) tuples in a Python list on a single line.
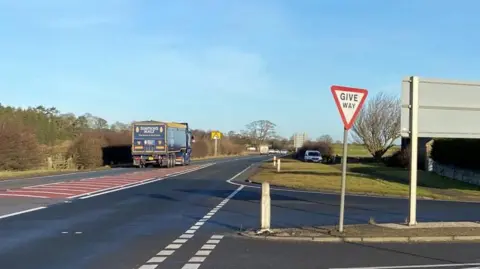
[(163, 144)]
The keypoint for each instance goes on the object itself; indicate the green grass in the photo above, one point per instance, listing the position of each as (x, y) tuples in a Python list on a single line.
[(365, 179), (356, 150), (42, 172)]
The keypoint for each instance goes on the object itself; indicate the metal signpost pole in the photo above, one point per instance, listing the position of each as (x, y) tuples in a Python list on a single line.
[(216, 143), (344, 179), (349, 102), (412, 220)]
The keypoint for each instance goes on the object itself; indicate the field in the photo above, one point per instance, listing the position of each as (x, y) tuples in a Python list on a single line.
[(364, 179), (356, 150)]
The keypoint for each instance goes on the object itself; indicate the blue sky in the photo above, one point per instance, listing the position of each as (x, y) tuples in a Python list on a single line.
[(222, 64)]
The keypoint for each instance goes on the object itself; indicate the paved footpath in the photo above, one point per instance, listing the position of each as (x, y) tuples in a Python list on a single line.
[(189, 221)]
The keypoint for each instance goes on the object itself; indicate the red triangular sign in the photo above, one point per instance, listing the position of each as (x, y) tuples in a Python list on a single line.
[(349, 102)]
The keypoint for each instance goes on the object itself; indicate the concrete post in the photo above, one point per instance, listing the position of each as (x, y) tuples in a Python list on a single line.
[(274, 161), (265, 204), (278, 165)]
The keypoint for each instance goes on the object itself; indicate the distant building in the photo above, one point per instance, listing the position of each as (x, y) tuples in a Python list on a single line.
[(299, 139)]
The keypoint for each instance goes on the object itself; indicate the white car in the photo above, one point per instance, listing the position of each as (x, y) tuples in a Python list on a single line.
[(312, 156)]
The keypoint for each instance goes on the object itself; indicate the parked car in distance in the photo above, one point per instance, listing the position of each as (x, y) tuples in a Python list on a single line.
[(312, 156)]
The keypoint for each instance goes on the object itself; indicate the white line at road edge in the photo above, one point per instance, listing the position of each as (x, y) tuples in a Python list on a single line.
[(151, 180), (143, 182), (285, 189), (170, 249), (414, 266), (22, 212)]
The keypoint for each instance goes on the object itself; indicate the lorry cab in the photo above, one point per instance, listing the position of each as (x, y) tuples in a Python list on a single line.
[(312, 156)]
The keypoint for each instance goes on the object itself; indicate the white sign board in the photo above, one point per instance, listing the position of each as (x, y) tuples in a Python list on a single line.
[(446, 108)]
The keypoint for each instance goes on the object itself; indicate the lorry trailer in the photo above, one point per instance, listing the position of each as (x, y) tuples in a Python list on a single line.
[(163, 144)]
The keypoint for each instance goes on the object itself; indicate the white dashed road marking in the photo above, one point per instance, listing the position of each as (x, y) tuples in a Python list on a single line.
[(202, 254), (183, 239)]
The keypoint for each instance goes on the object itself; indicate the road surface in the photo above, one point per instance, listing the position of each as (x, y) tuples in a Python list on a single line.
[(189, 221)]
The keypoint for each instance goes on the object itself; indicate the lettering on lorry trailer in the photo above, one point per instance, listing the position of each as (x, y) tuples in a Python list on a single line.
[(161, 143)]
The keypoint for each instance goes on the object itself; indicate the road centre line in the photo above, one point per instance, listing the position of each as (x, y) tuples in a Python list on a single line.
[(154, 262)]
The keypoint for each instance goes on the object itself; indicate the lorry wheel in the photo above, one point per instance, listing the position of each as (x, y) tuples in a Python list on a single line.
[(174, 159), (170, 161)]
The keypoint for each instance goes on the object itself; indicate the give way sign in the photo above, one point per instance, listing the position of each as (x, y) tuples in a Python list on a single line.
[(349, 102)]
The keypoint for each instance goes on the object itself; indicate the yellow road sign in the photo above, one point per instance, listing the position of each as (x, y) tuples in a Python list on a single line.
[(216, 135)]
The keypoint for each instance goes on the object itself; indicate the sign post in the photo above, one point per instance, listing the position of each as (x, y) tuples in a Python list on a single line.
[(215, 135), (349, 102)]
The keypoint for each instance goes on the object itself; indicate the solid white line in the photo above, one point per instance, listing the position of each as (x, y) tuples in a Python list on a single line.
[(33, 191), (116, 188), (22, 212), (22, 195), (63, 189), (65, 185), (230, 181), (58, 175), (144, 182), (412, 266)]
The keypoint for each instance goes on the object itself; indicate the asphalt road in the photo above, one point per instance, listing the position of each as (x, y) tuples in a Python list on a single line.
[(189, 221), (18, 195)]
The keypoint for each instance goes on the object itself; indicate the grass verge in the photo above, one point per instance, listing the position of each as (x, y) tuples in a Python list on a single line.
[(374, 179), (42, 172), (355, 150)]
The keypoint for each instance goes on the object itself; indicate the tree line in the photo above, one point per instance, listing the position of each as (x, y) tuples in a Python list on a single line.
[(44, 138)]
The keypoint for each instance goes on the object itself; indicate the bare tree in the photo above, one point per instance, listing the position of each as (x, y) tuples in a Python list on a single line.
[(325, 138), (378, 124), (259, 131)]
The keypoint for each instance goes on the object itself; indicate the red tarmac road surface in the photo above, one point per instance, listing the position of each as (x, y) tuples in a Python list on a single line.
[(77, 188)]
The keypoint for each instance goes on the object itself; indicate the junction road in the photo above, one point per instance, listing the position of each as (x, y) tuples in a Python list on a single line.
[(189, 221)]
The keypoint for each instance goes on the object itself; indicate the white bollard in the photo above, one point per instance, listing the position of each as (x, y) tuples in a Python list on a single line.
[(278, 165), (274, 161), (265, 204)]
